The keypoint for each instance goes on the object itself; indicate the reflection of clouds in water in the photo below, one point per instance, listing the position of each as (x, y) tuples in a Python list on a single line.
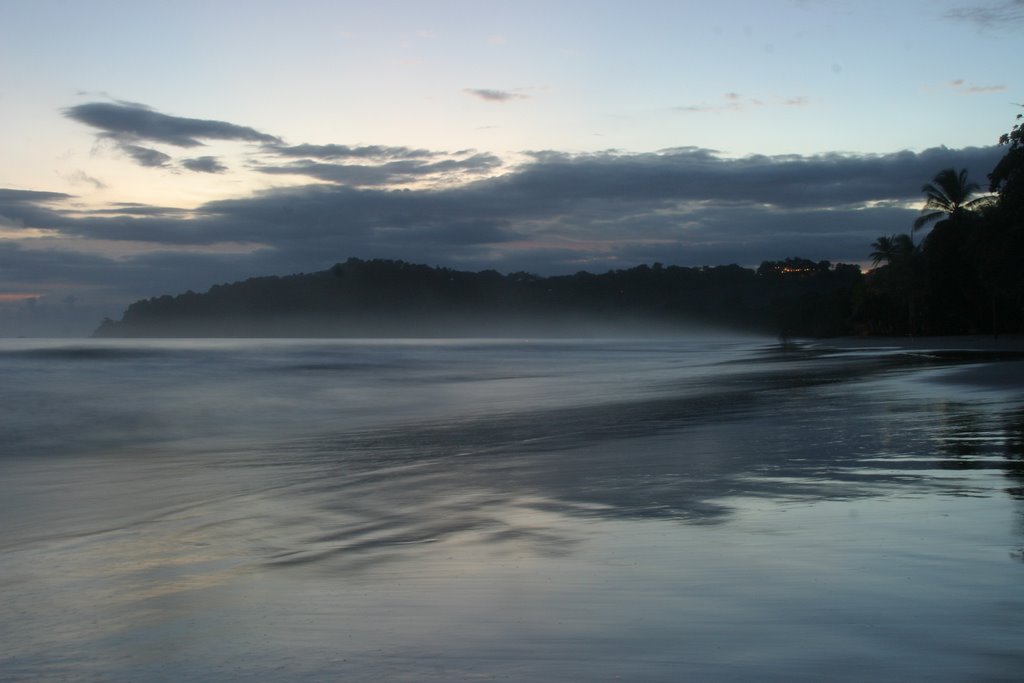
[(89, 597), (626, 525), (827, 434), (364, 541), (103, 588)]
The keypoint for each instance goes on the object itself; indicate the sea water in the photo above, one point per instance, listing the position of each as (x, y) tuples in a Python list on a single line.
[(708, 507)]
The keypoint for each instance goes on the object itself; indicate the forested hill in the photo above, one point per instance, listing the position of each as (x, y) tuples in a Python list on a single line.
[(396, 299)]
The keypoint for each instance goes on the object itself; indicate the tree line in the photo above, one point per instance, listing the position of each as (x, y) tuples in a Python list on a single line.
[(964, 277), (383, 298)]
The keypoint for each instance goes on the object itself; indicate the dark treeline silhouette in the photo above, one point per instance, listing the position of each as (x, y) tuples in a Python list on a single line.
[(966, 276), (379, 298)]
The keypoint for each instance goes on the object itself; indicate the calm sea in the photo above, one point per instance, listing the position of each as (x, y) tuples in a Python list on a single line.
[(703, 508)]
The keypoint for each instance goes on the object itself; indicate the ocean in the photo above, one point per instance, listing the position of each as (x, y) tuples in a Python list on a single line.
[(706, 507)]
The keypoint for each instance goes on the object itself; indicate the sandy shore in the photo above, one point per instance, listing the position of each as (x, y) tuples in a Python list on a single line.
[(1012, 343), (985, 361), (465, 511)]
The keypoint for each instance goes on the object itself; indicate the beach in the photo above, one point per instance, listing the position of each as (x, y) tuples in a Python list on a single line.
[(714, 507)]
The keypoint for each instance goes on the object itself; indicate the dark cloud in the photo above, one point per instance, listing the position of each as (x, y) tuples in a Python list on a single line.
[(373, 165), (356, 175), (127, 124), (103, 285), (29, 208), (559, 213), (131, 121), (347, 152), (159, 230), (24, 268), (133, 209), (672, 196), (690, 203), (688, 174), (30, 196), (990, 15), (489, 95), (204, 165), (144, 156), (389, 173)]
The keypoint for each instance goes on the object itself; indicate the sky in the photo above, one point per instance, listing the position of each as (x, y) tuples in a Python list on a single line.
[(150, 148)]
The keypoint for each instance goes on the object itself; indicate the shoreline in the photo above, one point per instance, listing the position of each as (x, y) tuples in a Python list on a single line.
[(968, 342), (974, 361)]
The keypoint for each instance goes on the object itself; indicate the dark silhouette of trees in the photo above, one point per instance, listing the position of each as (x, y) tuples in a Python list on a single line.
[(809, 299), (1003, 234), (394, 298), (1007, 178), (948, 197), (893, 250), (889, 303), (966, 275)]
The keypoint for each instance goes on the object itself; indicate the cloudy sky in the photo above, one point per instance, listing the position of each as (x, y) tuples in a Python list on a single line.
[(154, 147)]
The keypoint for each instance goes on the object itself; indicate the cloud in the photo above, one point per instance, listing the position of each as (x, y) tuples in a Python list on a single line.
[(991, 15), (347, 152), (204, 165), (389, 173), (691, 174), (965, 88), (144, 156), (30, 196), (674, 195), (132, 121), (489, 95), (80, 177), (558, 213), (127, 124), (30, 210), (733, 101), (134, 209)]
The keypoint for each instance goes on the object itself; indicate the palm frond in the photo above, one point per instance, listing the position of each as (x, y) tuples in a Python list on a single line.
[(949, 194), (964, 186), (883, 250), (927, 218), (981, 202), (903, 244)]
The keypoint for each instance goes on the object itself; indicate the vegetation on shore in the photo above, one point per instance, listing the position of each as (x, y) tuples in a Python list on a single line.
[(393, 298), (965, 276)]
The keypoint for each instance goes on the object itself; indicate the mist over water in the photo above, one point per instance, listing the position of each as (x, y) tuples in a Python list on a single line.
[(705, 507)]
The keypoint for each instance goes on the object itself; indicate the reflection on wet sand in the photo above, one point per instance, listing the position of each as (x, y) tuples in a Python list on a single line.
[(801, 515)]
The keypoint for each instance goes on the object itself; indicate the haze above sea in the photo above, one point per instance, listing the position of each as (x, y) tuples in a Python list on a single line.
[(705, 507)]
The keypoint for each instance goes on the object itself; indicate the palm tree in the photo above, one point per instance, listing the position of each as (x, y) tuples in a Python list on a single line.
[(948, 197), (883, 250), (897, 280), (894, 249), (904, 246)]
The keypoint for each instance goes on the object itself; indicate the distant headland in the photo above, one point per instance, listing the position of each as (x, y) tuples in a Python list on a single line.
[(384, 298)]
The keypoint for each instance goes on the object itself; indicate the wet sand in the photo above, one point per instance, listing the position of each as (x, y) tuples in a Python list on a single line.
[(843, 515)]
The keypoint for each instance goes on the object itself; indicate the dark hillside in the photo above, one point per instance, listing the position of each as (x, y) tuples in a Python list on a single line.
[(393, 298)]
